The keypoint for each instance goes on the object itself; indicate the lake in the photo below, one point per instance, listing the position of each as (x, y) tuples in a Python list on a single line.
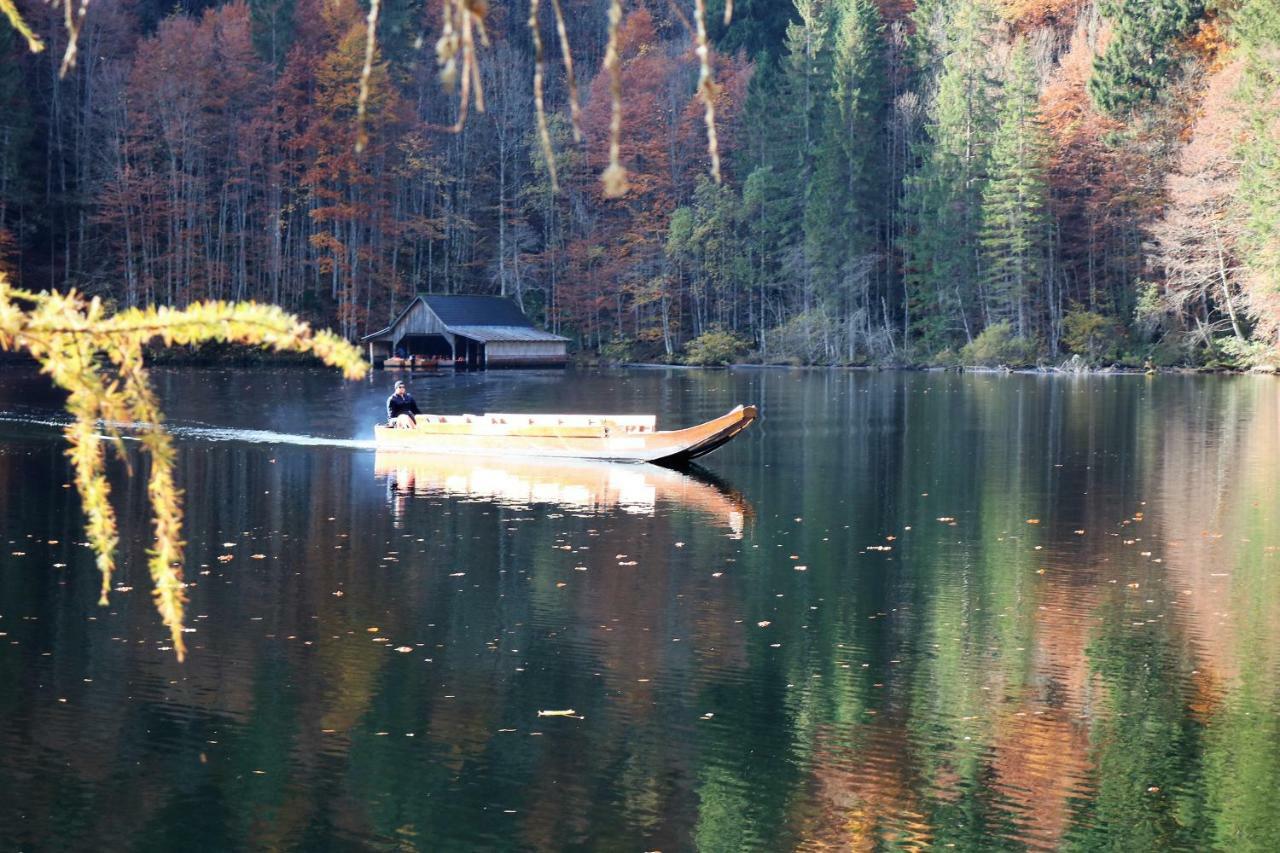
[(903, 610)]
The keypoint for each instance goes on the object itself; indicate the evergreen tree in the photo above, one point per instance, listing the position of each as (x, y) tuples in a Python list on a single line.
[(944, 197), (273, 29), (1014, 213), (758, 27), (806, 76), (1136, 63), (1257, 29), (770, 227), (841, 220)]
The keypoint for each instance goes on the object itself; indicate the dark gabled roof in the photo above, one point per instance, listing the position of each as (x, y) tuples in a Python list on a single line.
[(476, 310), (489, 311)]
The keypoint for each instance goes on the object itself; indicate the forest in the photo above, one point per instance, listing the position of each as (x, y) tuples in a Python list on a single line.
[(1004, 182)]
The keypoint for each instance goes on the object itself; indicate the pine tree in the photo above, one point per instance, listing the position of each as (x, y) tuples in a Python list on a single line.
[(805, 78), (1014, 213), (1136, 63), (273, 29), (1257, 29), (944, 197), (841, 218)]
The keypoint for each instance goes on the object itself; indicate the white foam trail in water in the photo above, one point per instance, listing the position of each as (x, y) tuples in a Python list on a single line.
[(251, 436)]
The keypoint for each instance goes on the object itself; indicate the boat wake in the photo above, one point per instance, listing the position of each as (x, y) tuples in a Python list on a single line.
[(203, 433)]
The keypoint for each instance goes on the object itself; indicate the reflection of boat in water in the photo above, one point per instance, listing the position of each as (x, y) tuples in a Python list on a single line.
[(582, 485), (624, 438)]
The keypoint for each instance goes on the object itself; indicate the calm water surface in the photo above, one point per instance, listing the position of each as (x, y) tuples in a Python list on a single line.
[(902, 611)]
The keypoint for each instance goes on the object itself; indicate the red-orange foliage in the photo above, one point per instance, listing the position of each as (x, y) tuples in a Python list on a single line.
[(1102, 191), (1030, 14), (618, 264)]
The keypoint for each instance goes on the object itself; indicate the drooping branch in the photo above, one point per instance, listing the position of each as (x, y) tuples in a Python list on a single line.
[(462, 20), (97, 358), (571, 80), (34, 44), (707, 88), (462, 23), (544, 135), (370, 48), (73, 14), (615, 176)]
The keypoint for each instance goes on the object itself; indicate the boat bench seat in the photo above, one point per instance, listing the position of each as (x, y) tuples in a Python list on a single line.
[(625, 423)]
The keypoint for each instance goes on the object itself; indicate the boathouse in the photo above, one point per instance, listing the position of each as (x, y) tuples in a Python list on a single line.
[(475, 332)]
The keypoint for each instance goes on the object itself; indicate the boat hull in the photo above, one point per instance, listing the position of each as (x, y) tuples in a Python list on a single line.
[(549, 436)]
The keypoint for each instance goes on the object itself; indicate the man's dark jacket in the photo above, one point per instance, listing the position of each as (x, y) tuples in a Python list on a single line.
[(397, 406)]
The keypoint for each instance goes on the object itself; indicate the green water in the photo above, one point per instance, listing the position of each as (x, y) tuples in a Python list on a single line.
[(902, 611)]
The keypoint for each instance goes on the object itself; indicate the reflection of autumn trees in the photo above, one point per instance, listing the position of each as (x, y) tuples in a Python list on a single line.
[(996, 684)]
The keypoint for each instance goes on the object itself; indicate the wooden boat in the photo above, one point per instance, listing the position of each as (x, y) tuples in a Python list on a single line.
[(621, 438), (412, 362), (586, 486)]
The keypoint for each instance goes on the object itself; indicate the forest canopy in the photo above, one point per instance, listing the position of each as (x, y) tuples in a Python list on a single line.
[(944, 181)]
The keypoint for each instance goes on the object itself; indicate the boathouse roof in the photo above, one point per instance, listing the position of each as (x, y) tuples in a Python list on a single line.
[(484, 319)]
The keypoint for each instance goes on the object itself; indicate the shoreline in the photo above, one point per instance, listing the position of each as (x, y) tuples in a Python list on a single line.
[(248, 357)]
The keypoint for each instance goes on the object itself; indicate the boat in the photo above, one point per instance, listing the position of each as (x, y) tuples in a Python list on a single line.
[(411, 362), (579, 486), (617, 438)]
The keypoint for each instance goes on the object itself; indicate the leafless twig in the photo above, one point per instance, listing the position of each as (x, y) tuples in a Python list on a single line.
[(615, 176)]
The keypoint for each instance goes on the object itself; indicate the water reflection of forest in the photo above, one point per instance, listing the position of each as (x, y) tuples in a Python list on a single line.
[(1064, 637), (583, 486)]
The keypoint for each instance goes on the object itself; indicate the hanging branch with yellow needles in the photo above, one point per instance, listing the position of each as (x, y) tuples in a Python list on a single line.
[(462, 22), (97, 357), (615, 175), (15, 20), (457, 57)]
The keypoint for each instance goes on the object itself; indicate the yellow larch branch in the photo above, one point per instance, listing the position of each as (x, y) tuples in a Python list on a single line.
[(615, 176), (544, 135), (98, 358)]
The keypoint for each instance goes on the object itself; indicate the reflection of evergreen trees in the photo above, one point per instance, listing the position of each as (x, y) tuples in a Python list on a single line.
[(884, 717), (1149, 790)]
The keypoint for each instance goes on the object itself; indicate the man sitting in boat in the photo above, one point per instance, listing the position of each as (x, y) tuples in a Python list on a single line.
[(401, 408)]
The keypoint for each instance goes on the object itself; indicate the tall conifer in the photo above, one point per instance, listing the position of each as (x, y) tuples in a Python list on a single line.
[(944, 197), (1014, 212), (1136, 63)]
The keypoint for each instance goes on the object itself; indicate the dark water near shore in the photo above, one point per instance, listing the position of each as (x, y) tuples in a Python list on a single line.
[(902, 611)]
